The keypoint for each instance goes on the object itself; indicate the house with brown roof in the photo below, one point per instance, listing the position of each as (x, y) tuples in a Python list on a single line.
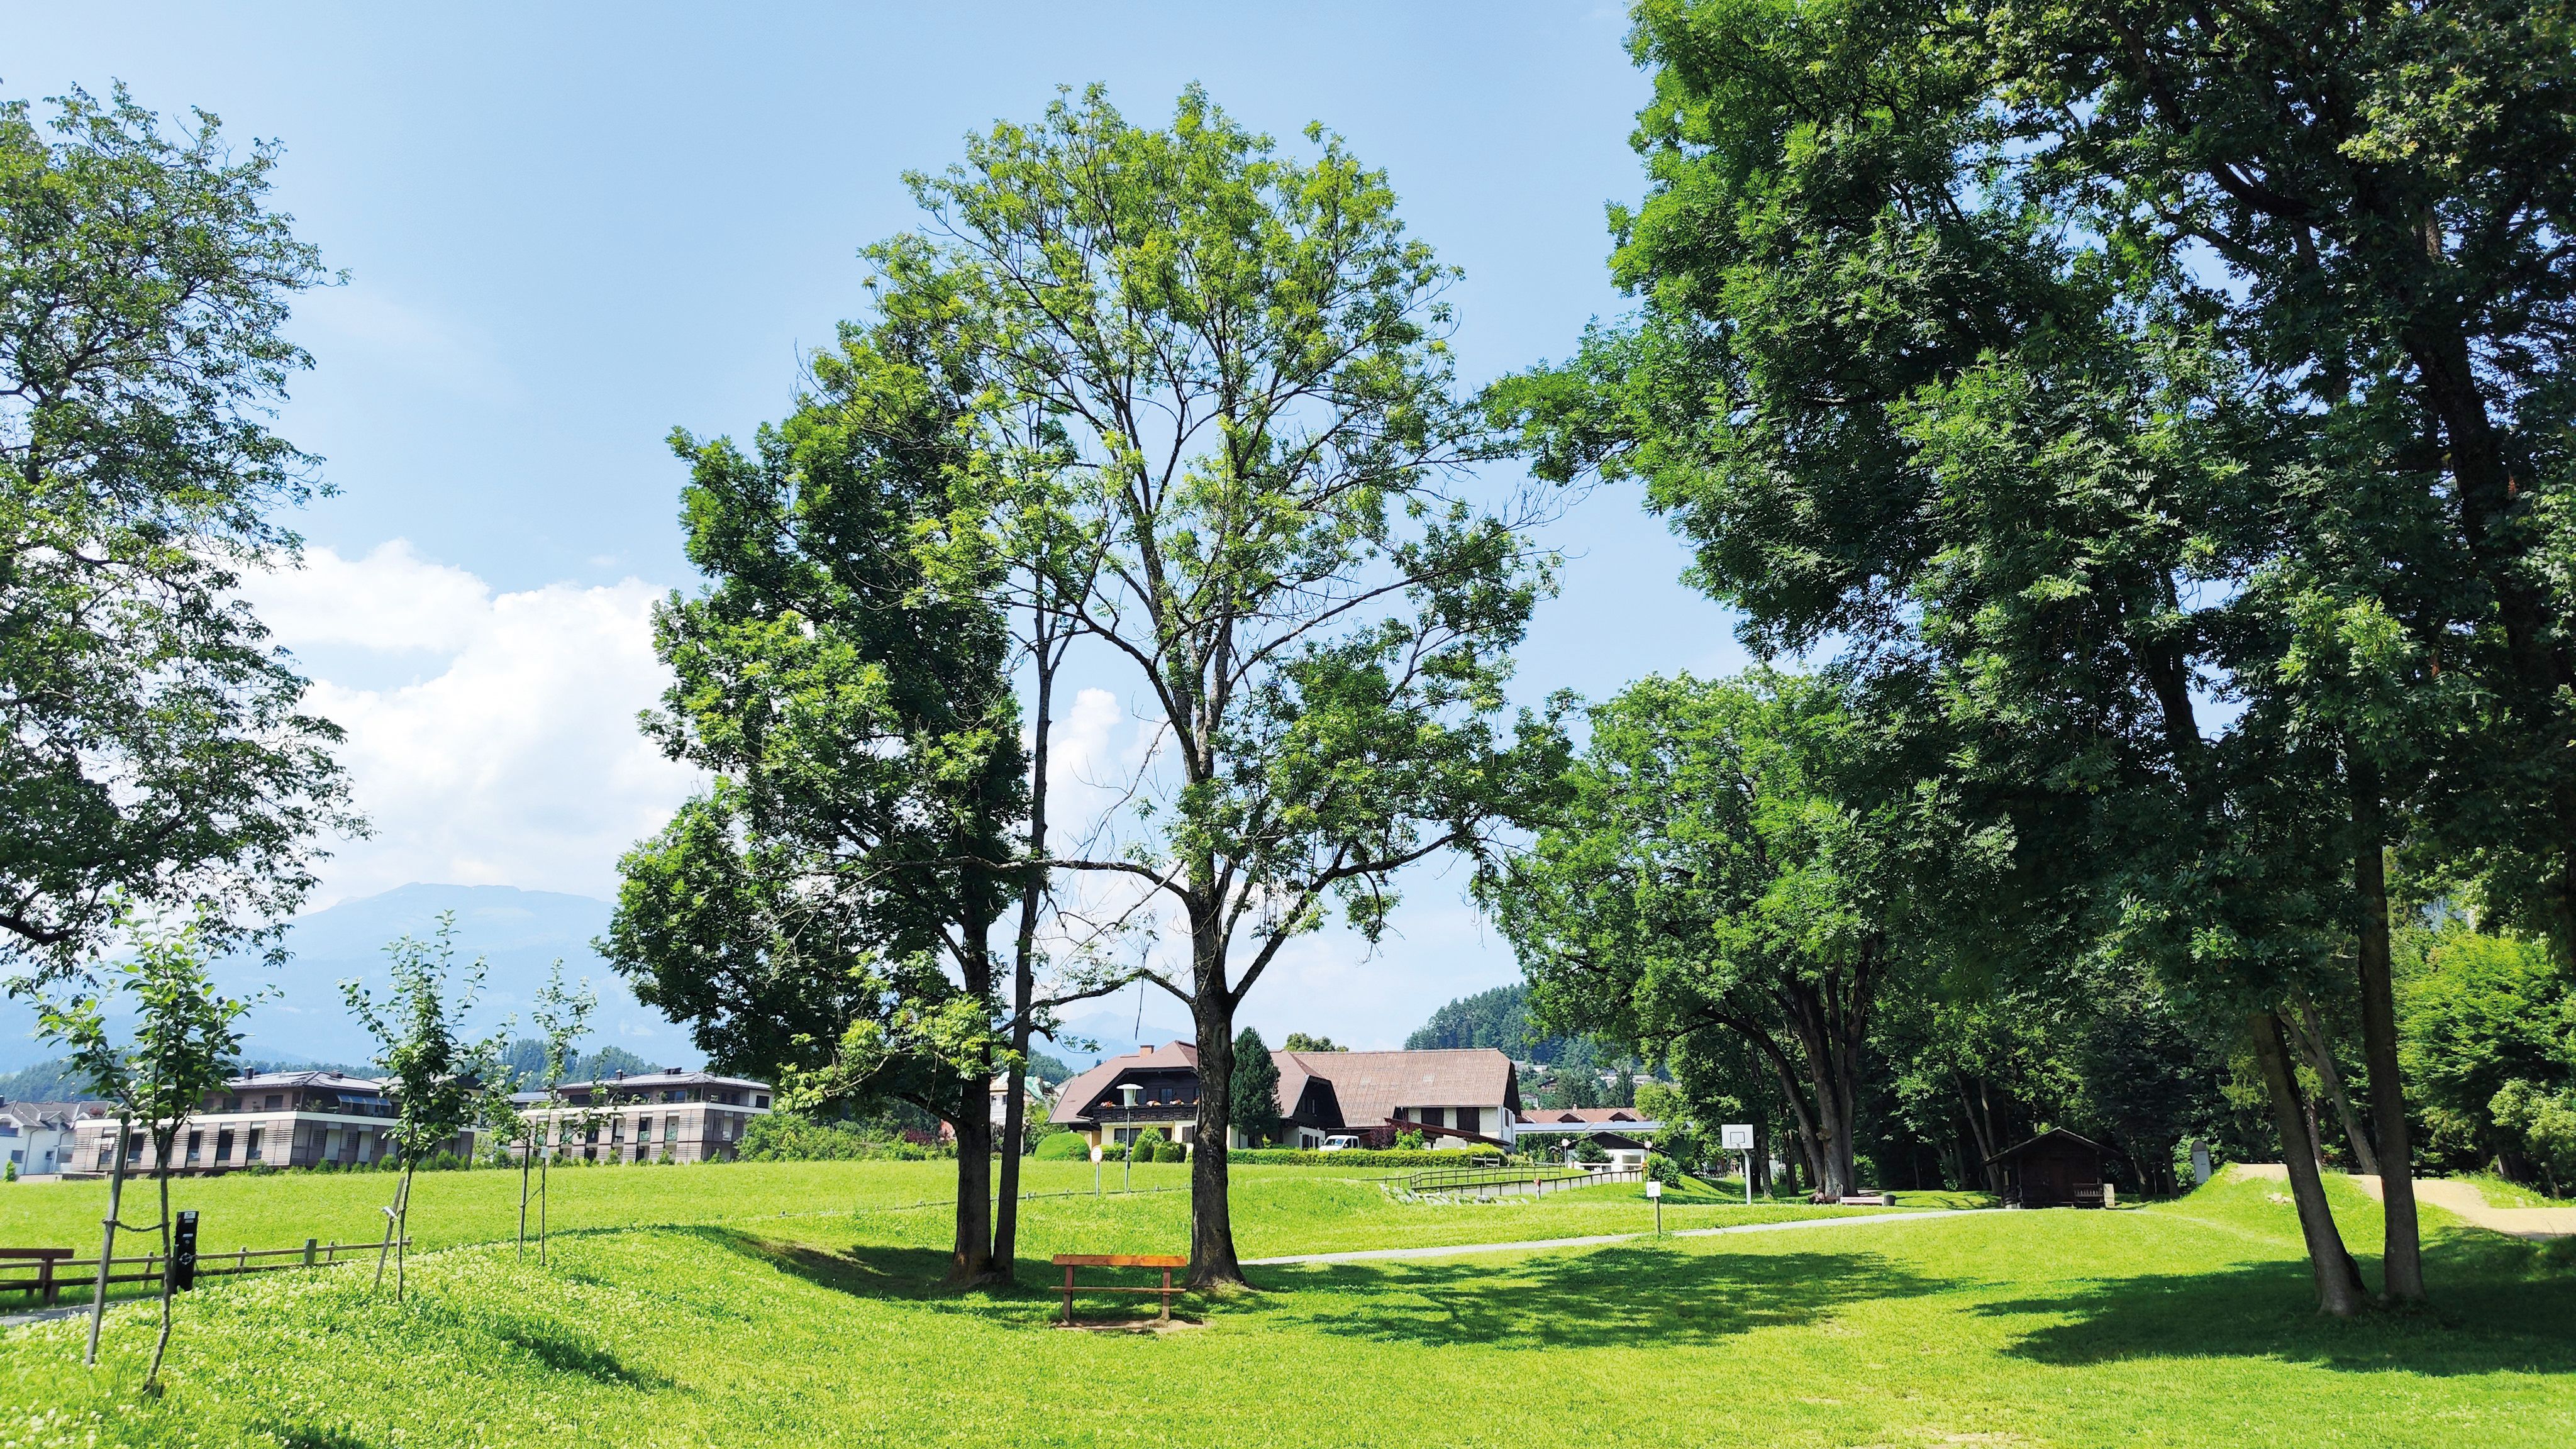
[(1321, 1094)]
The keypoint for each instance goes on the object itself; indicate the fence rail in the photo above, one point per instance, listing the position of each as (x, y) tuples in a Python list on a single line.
[(1516, 1181), (38, 1272)]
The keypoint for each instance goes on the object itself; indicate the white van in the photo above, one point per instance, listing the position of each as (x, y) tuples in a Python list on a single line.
[(1339, 1144)]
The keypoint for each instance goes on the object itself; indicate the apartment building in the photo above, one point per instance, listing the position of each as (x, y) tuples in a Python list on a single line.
[(671, 1116), (271, 1119)]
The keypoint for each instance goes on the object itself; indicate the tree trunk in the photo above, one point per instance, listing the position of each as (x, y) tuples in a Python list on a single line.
[(2310, 1033), (1212, 1259), (1985, 1144), (970, 1258), (107, 1244), (161, 1345), (1006, 1211), (2338, 1279), (402, 1230), (527, 1152), (2401, 1260)]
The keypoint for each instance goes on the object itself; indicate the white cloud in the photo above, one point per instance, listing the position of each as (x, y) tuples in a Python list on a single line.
[(519, 762)]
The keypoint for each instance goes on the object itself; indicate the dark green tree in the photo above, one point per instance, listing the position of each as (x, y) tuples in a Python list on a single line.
[(151, 753), (1724, 861), (1256, 1089), (1988, 352), (827, 910)]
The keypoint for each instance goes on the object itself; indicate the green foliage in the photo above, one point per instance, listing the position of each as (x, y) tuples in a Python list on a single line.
[(1364, 1159), (1408, 1140), (1063, 1147), (1499, 1019), (55, 1080), (2489, 1042), (1664, 1169), (1732, 859), (186, 1036), (793, 1137), (524, 1063), (1265, 517), (1299, 1041), (1256, 1088), (151, 754)]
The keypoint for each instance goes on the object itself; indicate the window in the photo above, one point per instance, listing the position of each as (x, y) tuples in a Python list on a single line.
[(106, 1152), (253, 1154), (232, 1104), (273, 1102), (670, 1129), (224, 1145), (643, 1129), (760, 1101), (134, 1148), (196, 1141)]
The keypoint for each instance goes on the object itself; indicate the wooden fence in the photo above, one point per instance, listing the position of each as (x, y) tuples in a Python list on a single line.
[(44, 1272), (1516, 1181)]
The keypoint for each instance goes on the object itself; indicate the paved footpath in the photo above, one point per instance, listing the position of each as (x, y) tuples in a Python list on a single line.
[(1543, 1245), (2461, 1198)]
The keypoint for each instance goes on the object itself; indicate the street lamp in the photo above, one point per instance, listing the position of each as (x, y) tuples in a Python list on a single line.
[(1127, 1093)]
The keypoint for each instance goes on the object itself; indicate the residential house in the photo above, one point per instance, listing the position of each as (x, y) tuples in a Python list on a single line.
[(1469, 1095), (38, 1137), (669, 1116)]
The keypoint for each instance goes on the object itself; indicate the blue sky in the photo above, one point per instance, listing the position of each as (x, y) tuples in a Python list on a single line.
[(569, 229)]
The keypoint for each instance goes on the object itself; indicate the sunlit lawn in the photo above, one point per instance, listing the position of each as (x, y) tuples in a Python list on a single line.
[(1278, 1210), (2185, 1323)]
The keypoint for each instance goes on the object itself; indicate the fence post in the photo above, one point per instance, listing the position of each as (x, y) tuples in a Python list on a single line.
[(308, 1252)]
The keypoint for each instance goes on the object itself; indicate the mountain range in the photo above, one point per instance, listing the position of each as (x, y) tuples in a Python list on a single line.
[(518, 933)]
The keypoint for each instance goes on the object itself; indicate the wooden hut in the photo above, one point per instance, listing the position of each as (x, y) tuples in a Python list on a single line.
[(2054, 1169)]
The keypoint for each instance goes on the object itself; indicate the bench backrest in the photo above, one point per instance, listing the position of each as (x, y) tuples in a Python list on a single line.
[(1121, 1260)]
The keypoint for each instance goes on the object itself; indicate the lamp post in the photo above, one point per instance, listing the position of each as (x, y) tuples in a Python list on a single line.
[(1127, 1093)]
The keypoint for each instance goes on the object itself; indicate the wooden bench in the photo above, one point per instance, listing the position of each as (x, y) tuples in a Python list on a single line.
[(1165, 1261), (1855, 1199), (45, 1284)]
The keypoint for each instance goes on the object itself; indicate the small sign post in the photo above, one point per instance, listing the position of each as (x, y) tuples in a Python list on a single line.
[(1655, 1195), (1095, 1169), (1738, 1137)]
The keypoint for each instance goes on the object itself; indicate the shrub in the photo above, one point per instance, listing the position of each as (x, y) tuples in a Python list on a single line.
[(1366, 1160), (1063, 1147), (1663, 1169), (1172, 1152), (1408, 1140), (1590, 1151), (1147, 1146)]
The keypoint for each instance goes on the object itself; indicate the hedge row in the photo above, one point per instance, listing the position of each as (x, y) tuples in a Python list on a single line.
[(1364, 1157)]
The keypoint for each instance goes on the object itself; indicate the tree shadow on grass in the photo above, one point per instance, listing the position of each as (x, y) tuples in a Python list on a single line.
[(2496, 1306), (1607, 1298)]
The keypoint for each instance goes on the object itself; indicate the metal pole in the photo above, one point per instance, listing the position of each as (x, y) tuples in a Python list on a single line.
[(1748, 1179)]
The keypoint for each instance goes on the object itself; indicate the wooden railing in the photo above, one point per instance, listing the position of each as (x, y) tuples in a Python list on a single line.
[(45, 1272), (1512, 1181)]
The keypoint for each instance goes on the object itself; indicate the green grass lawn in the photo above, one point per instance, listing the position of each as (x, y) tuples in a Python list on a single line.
[(2503, 1194), (1278, 1210), (2185, 1323)]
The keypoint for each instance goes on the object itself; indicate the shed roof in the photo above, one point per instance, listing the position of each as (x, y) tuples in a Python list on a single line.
[(2053, 1135)]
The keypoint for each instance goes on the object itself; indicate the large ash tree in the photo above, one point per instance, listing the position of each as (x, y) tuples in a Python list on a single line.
[(1241, 361), (2106, 361), (151, 752), (1728, 861)]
